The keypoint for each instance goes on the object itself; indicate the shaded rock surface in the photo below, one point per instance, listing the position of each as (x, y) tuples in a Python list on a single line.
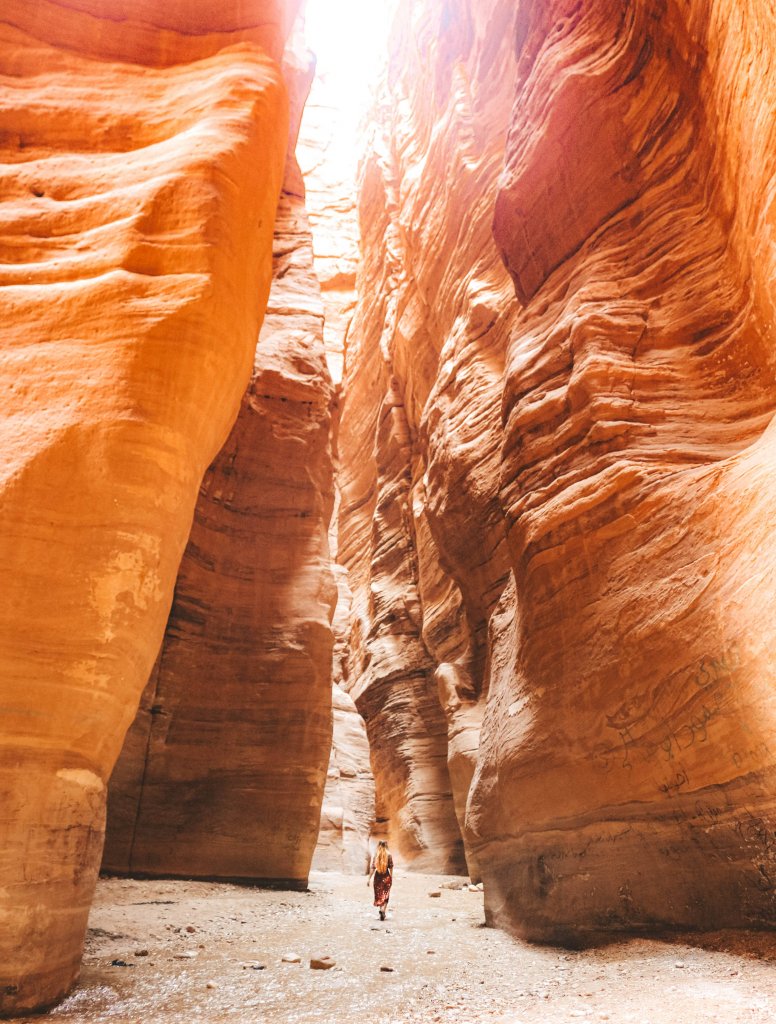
[(633, 738), (141, 166), (223, 772), (348, 808), (557, 485)]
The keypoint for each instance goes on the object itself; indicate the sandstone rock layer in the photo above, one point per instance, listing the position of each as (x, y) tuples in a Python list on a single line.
[(558, 494), (348, 810), (637, 476), (421, 529), (224, 769), (135, 237)]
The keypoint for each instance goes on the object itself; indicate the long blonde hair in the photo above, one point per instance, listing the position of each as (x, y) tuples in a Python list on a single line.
[(381, 857)]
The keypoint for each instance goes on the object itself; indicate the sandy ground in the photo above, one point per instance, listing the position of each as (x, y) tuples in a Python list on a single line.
[(446, 966)]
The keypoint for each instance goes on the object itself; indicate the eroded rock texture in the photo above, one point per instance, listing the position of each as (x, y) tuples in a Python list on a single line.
[(637, 474), (141, 162), (327, 152), (223, 772), (560, 497), (348, 810), (421, 527)]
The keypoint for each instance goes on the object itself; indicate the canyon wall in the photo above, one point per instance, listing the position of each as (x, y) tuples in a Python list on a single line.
[(558, 490), (421, 529), (347, 813), (327, 151), (223, 771), (142, 158)]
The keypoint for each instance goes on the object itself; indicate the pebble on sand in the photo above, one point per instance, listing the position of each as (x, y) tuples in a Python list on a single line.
[(291, 958), (435, 894), (387, 970), (322, 963)]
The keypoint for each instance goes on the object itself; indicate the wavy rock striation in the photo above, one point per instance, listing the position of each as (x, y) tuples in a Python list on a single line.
[(348, 810), (141, 161), (637, 481), (421, 528), (559, 490), (223, 772)]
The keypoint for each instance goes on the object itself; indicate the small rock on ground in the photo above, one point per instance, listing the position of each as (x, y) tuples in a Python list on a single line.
[(322, 963)]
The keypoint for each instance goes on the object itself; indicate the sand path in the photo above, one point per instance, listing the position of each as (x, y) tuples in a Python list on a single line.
[(205, 941)]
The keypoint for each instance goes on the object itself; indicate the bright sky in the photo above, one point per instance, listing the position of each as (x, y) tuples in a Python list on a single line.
[(349, 37)]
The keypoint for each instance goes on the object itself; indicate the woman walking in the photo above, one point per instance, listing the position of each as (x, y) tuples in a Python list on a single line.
[(382, 869)]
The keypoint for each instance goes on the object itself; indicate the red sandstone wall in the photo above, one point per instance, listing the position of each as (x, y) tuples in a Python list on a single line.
[(559, 498), (138, 201), (223, 772), (421, 529), (639, 393)]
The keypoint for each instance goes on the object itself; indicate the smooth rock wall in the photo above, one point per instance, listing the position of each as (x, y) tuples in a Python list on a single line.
[(141, 164), (223, 772), (558, 493), (348, 811)]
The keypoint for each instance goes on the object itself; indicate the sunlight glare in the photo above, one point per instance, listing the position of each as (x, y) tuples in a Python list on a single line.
[(349, 38)]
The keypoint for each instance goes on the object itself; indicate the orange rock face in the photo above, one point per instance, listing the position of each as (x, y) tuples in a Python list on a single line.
[(638, 395), (138, 201), (223, 772), (421, 528), (558, 502), (348, 811)]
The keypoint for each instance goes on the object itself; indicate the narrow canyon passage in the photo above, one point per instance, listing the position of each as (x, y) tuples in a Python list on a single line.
[(198, 951), (388, 456)]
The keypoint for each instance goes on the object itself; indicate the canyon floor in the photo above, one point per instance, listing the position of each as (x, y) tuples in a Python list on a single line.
[(195, 950)]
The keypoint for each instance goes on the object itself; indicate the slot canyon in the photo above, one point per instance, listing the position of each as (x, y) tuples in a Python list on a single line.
[(389, 455)]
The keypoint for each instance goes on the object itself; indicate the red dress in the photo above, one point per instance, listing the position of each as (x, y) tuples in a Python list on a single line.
[(383, 883)]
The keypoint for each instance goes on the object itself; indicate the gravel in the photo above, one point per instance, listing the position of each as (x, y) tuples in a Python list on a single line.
[(476, 975)]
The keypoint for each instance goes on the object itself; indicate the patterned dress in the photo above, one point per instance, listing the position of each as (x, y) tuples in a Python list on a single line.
[(383, 883)]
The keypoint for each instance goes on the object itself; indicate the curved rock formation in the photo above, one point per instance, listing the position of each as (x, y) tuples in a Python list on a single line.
[(223, 772), (558, 498), (421, 526), (348, 810), (637, 476), (390, 672), (141, 165)]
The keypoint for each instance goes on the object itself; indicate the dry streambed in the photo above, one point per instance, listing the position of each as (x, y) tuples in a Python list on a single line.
[(199, 951)]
